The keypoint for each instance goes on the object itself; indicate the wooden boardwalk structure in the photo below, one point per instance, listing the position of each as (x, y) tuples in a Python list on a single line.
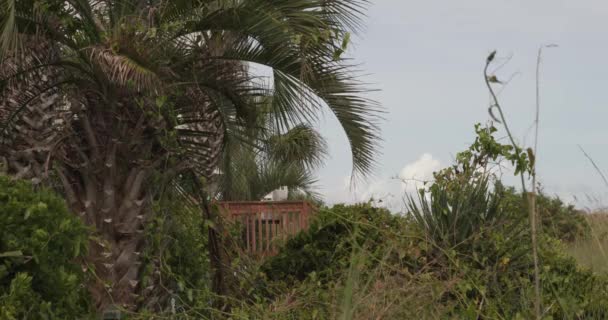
[(265, 222)]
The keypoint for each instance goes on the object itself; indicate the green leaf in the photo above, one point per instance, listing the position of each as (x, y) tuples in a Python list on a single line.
[(64, 224), (189, 294), (11, 254), (77, 248), (345, 41), (209, 224), (160, 101)]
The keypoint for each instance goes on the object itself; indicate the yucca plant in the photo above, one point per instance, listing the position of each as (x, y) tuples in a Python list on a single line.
[(112, 99), (451, 214)]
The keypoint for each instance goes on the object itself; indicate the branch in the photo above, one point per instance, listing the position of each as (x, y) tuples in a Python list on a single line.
[(594, 165), (496, 104)]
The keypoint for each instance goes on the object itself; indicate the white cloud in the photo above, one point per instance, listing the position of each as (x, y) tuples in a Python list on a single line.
[(415, 174), (389, 192)]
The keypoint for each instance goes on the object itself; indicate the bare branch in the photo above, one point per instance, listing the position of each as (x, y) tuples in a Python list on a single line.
[(594, 165)]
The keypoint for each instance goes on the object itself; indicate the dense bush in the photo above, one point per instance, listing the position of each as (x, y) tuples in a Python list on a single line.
[(556, 219), (481, 236), (466, 255), (320, 273), (560, 220), (176, 272), (40, 247), (328, 242)]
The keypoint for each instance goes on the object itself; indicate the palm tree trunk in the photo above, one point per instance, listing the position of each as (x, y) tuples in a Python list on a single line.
[(117, 207)]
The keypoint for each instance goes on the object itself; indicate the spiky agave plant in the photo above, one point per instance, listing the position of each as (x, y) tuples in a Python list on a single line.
[(451, 214), (113, 98)]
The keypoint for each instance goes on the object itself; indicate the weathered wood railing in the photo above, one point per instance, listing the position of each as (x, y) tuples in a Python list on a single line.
[(266, 222)]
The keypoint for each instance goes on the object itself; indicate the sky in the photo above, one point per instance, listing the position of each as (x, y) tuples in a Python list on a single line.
[(426, 59)]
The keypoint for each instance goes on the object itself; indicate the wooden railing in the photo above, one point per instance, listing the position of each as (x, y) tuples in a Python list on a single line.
[(266, 222)]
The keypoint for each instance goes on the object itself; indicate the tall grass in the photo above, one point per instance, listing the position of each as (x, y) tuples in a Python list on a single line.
[(591, 251)]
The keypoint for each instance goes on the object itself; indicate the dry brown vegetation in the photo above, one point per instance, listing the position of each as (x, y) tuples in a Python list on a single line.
[(591, 251)]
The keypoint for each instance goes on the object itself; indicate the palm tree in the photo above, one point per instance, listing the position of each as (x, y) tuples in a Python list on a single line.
[(277, 159), (112, 98)]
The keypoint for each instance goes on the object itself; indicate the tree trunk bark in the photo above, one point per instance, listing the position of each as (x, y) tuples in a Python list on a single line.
[(117, 208), (107, 169)]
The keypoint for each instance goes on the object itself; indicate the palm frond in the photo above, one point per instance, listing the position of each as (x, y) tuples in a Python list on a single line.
[(329, 85), (124, 71), (274, 175), (306, 75), (301, 145), (9, 36)]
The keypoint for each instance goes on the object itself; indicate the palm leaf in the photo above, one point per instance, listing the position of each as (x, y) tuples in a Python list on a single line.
[(9, 36), (123, 70), (309, 73), (301, 145)]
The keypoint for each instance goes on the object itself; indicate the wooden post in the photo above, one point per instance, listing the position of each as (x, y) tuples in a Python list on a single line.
[(248, 238), (301, 220), (283, 229), (273, 242), (267, 232), (260, 232), (253, 235), (305, 212), (292, 225)]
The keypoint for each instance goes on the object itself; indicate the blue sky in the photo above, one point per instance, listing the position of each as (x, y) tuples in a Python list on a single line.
[(426, 59)]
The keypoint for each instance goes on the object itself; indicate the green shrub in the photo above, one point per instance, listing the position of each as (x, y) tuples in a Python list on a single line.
[(176, 270), (325, 246), (480, 237), (357, 262), (561, 221), (453, 214), (464, 247), (349, 255), (556, 219), (465, 254), (40, 247)]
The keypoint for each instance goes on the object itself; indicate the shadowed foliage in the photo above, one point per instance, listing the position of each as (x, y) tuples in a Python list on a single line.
[(41, 250)]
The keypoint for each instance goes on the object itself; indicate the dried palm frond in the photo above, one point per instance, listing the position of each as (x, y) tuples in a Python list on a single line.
[(124, 71)]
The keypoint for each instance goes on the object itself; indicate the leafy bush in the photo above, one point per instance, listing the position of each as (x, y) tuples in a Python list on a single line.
[(327, 243), (556, 219), (349, 255), (176, 279), (480, 236), (40, 247), (561, 221)]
